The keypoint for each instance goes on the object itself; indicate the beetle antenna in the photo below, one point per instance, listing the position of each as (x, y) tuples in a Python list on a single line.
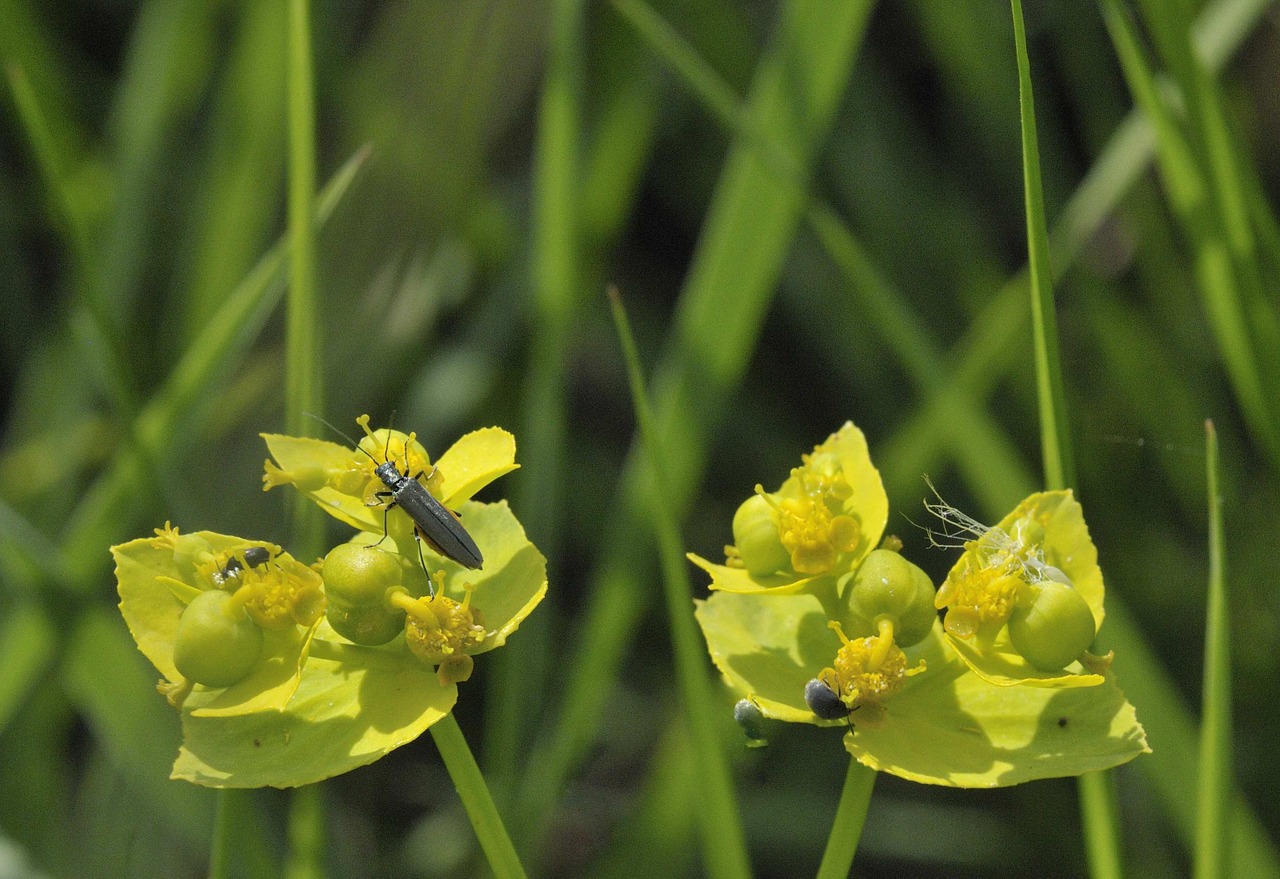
[(341, 434)]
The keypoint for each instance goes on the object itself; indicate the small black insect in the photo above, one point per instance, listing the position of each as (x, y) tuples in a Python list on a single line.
[(254, 556), (824, 701), (748, 715)]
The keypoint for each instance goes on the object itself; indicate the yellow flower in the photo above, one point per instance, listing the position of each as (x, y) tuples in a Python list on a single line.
[(819, 525)]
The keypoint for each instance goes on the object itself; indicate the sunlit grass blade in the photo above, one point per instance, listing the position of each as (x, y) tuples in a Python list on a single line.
[(846, 829), (303, 374), (557, 291), (27, 646), (1097, 802), (1216, 789), (106, 511), (112, 686), (1226, 276), (973, 436), (236, 202), (304, 369), (1055, 442), (744, 240), (723, 845)]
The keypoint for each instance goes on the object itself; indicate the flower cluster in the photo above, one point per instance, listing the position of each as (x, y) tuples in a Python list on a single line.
[(286, 673), (813, 618)]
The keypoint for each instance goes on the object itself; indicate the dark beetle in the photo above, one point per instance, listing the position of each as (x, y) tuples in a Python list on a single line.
[(824, 701), (432, 520)]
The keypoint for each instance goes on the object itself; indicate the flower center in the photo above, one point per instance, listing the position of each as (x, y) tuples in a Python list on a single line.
[(812, 525), (868, 670), (998, 569), (438, 627)]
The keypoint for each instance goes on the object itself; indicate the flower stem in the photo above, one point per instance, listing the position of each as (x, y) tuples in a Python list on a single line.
[(846, 829), (476, 799)]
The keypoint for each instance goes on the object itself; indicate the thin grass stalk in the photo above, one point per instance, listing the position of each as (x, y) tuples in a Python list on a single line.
[(723, 844), (1101, 822), (105, 512), (851, 815), (476, 800), (1214, 805), (743, 243), (1222, 276), (97, 333), (303, 389), (303, 372), (556, 277), (1055, 440)]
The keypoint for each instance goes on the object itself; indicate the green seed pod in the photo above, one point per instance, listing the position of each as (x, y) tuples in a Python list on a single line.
[(217, 644), (371, 625), (357, 580), (360, 575), (889, 586), (1054, 629), (755, 533)]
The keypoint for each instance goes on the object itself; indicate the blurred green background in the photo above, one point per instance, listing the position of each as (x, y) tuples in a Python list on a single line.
[(851, 246)]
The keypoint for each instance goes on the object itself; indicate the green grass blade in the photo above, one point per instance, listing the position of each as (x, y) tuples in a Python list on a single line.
[(108, 509), (1214, 796), (235, 205), (661, 829), (304, 389), (846, 829), (723, 845), (752, 219), (50, 165), (716, 94), (113, 687), (304, 373), (1227, 273), (27, 645), (238, 848), (1172, 765), (1098, 805), (171, 51), (557, 291), (1059, 468), (974, 437)]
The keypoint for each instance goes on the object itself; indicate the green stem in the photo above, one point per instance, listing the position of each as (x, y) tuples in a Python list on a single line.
[(306, 834), (1098, 814), (846, 829), (1214, 806), (476, 799), (223, 834)]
